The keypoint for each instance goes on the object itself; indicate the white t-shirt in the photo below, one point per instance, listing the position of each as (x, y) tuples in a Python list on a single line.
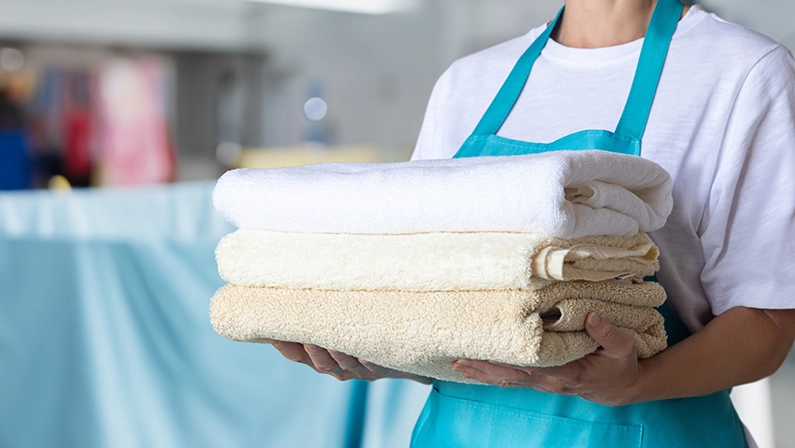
[(723, 125)]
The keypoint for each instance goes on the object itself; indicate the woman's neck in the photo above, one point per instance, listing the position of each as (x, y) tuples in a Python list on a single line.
[(603, 23)]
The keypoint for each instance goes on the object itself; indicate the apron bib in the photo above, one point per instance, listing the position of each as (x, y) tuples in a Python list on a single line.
[(459, 415)]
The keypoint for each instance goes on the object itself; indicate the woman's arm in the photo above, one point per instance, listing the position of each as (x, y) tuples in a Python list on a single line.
[(740, 346)]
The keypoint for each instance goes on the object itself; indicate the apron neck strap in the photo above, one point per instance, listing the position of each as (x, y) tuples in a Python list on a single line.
[(506, 98), (650, 66), (644, 86)]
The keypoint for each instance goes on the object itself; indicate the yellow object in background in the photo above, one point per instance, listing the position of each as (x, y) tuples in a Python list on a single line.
[(286, 157), (59, 183)]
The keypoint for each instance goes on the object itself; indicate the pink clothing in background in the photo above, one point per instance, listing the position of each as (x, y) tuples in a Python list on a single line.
[(134, 139)]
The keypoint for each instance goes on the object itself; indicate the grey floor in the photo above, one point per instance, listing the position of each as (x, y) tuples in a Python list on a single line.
[(783, 391)]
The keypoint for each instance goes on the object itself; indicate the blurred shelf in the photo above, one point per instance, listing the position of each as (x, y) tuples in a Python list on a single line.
[(284, 157)]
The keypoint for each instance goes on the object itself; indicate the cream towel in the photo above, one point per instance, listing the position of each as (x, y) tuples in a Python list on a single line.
[(565, 194), (427, 262), (424, 332)]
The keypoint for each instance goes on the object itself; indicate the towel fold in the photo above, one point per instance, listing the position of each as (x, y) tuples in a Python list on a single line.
[(424, 332), (563, 194), (427, 262), (644, 322)]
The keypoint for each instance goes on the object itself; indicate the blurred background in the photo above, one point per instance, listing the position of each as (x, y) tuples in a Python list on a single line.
[(179, 89), (164, 96)]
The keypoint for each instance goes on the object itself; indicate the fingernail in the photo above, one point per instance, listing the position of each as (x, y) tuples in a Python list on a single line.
[(464, 362), (594, 320), (311, 347), (272, 342)]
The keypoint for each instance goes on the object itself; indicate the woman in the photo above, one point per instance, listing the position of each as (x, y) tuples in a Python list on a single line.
[(711, 102)]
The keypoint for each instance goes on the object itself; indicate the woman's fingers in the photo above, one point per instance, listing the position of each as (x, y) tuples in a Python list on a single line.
[(292, 351), (376, 369), (339, 365), (323, 362), (346, 362), (510, 376), (615, 341), (500, 371), (481, 376), (354, 368), (315, 357)]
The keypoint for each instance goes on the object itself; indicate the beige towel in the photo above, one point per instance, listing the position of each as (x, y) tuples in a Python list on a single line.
[(427, 262), (424, 332), (644, 321)]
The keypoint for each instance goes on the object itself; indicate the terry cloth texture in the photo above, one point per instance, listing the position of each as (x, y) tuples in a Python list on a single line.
[(427, 262), (563, 194), (424, 332)]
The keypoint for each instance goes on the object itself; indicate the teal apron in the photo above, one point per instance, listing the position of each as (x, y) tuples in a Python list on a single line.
[(459, 415)]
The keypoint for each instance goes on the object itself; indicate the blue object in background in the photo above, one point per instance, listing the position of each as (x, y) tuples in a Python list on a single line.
[(14, 160), (105, 339)]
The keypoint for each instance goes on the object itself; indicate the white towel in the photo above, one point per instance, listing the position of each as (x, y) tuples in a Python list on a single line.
[(427, 261), (563, 194)]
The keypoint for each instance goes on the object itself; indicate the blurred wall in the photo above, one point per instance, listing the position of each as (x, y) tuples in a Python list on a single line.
[(207, 24), (775, 18), (375, 72)]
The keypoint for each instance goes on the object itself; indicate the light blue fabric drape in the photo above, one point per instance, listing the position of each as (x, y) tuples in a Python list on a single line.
[(105, 338), (392, 410)]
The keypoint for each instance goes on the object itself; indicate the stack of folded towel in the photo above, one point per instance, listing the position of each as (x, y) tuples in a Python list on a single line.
[(413, 265)]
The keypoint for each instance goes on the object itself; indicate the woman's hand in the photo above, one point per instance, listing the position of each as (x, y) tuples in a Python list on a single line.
[(740, 346), (608, 376), (339, 365)]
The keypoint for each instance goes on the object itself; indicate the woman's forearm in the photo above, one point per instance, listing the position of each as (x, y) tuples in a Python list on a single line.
[(740, 346)]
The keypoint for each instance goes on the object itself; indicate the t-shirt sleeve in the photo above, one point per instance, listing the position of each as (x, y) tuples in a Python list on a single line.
[(749, 236), (428, 143)]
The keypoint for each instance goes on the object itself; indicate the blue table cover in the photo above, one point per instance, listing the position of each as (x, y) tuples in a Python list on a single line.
[(105, 339)]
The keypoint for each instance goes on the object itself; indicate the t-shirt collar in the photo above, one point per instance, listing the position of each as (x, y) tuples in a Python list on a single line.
[(609, 55)]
